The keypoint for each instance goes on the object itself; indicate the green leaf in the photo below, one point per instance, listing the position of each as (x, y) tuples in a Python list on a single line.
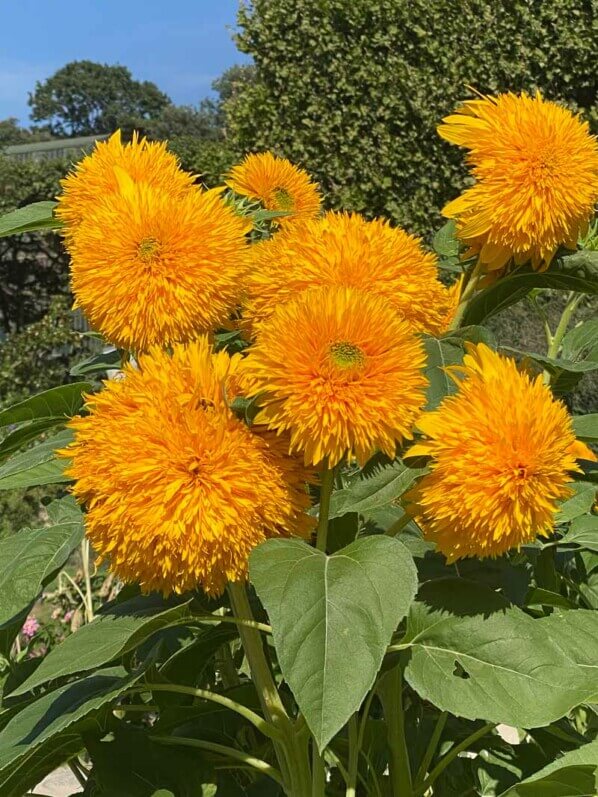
[(586, 427), (332, 618), (25, 434), (99, 363), (583, 531), (575, 272), (111, 635), (498, 665), (581, 343), (576, 633), (445, 241), (577, 769), (367, 493), (50, 727), (29, 560), (440, 354), (37, 465), (579, 504), (59, 402), (37, 216)]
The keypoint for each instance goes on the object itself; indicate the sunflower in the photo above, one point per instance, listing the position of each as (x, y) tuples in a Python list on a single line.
[(178, 490), (340, 371), (151, 269), (503, 452), (96, 176), (344, 249), (536, 171), (278, 185)]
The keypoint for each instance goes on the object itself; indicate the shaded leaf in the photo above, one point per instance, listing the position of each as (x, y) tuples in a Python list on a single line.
[(364, 494), (37, 465), (28, 560)]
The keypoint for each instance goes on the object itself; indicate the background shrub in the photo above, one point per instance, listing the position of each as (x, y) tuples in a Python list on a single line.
[(354, 90)]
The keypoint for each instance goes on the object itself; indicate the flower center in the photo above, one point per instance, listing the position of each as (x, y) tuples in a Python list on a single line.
[(148, 249), (283, 199), (346, 355)]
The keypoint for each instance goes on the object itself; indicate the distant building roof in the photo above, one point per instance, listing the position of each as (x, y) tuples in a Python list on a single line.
[(51, 150)]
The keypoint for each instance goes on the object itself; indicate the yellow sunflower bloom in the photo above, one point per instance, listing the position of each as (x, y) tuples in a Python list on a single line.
[(148, 269), (503, 451), (536, 170), (278, 185), (179, 491), (340, 371), (343, 249), (96, 176)]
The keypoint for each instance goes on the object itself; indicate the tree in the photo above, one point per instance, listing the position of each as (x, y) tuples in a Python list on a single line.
[(11, 133), (176, 121), (354, 91), (86, 98)]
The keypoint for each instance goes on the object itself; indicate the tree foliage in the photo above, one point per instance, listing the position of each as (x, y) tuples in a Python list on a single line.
[(85, 98), (354, 91)]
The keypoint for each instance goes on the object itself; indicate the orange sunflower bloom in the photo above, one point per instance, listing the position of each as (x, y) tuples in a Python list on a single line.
[(340, 371), (345, 250), (179, 491), (278, 185), (503, 453), (148, 269), (536, 170), (97, 175)]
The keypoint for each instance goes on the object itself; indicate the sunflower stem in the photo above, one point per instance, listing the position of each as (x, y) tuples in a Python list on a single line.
[(390, 690), (468, 291), (572, 301), (326, 488), (431, 749), (291, 750)]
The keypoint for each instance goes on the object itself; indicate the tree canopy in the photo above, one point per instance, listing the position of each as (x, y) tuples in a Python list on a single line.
[(86, 98)]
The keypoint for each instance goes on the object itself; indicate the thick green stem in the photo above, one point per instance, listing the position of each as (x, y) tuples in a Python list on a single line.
[(318, 788), (353, 765), (326, 488), (291, 752), (391, 694), (450, 757)]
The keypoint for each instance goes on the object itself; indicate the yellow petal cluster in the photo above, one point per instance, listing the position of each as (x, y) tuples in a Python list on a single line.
[(96, 175), (340, 371), (150, 270), (503, 453), (178, 490), (345, 250), (278, 185), (536, 170)]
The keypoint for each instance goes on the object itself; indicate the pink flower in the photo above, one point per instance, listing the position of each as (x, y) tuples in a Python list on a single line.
[(68, 617), (30, 627)]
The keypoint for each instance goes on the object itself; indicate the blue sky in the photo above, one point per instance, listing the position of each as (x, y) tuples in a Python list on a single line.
[(181, 45)]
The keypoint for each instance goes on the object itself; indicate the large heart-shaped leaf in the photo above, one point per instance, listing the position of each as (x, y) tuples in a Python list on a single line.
[(586, 427), (500, 666), (576, 633), (583, 532), (332, 618), (29, 559)]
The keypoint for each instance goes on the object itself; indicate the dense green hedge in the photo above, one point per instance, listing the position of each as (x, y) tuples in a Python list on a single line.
[(354, 90)]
